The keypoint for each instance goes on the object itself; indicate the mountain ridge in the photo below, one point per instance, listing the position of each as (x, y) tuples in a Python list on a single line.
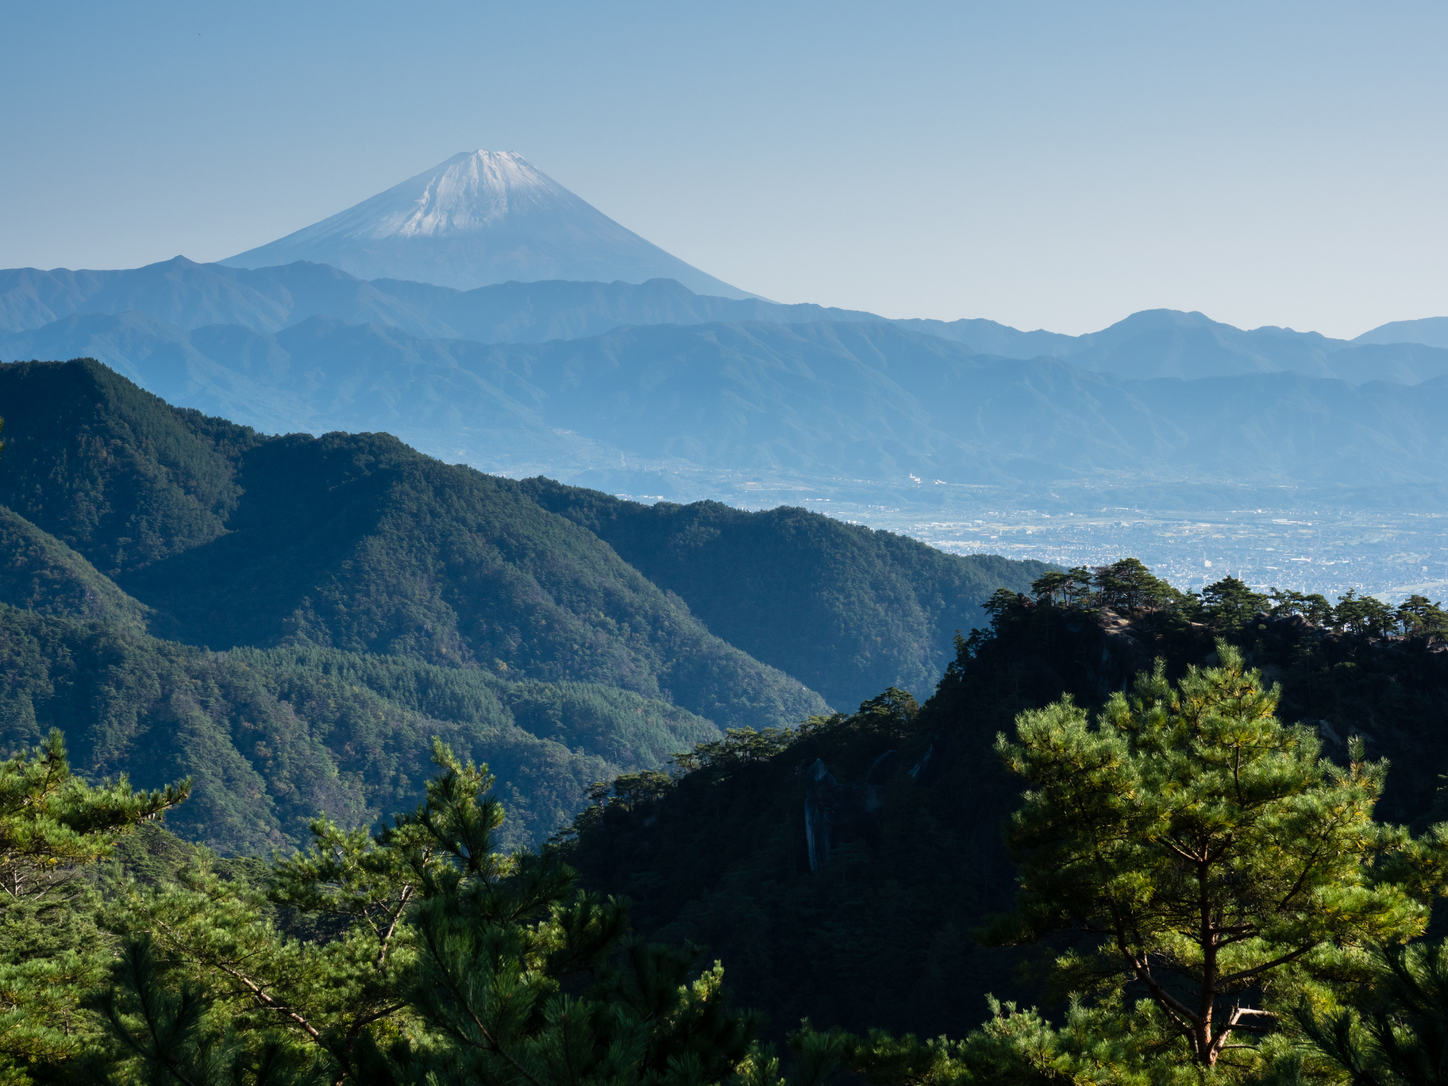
[(813, 402), (180, 292), (183, 590)]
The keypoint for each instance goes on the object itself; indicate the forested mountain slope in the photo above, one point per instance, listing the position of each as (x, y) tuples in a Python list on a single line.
[(352, 541), (112, 471), (882, 934), (272, 564), (848, 610), (273, 738), (357, 542), (40, 573)]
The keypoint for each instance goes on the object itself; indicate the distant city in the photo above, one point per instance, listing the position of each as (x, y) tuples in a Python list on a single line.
[(1391, 555)]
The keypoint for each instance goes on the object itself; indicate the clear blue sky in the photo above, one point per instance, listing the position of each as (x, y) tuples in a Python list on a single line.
[(1051, 165)]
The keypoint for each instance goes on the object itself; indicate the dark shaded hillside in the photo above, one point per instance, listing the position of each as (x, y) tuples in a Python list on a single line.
[(40, 573), (847, 610), (110, 470), (357, 542), (881, 934)]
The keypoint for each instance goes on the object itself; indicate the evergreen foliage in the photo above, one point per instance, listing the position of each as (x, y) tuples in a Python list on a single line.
[(1400, 1036), (273, 737), (433, 959), (882, 936), (1214, 855), (52, 952)]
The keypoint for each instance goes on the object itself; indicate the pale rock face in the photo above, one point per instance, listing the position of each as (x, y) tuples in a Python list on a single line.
[(479, 218)]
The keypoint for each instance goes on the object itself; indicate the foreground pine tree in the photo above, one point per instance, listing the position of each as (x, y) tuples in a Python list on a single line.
[(1214, 861), (428, 958), (53, 827), (521, 979)]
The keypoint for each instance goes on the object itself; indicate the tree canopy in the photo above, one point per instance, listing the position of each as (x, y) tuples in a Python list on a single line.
[(52, 953), (1213, 854)]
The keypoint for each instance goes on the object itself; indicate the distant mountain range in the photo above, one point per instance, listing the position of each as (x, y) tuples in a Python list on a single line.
[(1430, 330), (1154, 343), (480, 217), (824, 400), (606, 362)]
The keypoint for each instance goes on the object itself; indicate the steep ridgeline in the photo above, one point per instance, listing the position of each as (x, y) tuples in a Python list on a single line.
[(872, 922), (848, 610), (112, 471)]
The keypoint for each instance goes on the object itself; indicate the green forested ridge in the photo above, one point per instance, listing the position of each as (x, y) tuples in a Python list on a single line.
[(848, 610), (351, 541), (357, 542), (882, 935), (40, 573), (112, 471), (273, 737)]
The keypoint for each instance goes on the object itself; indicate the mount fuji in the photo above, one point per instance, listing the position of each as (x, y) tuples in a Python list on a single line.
[(481, 217)]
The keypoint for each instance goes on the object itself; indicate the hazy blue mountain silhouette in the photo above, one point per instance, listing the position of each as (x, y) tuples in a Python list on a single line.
[(865, 400), (1430, 331), (1155, 343), (191, 295)]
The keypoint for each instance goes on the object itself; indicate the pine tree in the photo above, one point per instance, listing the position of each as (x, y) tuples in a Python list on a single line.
[(417, 954), (1402, 1038), (1230, 604), (1208, 853), (53, 826), (520, 979)]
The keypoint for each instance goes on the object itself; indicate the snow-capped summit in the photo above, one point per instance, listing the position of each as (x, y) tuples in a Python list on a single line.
[(481, 217)]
